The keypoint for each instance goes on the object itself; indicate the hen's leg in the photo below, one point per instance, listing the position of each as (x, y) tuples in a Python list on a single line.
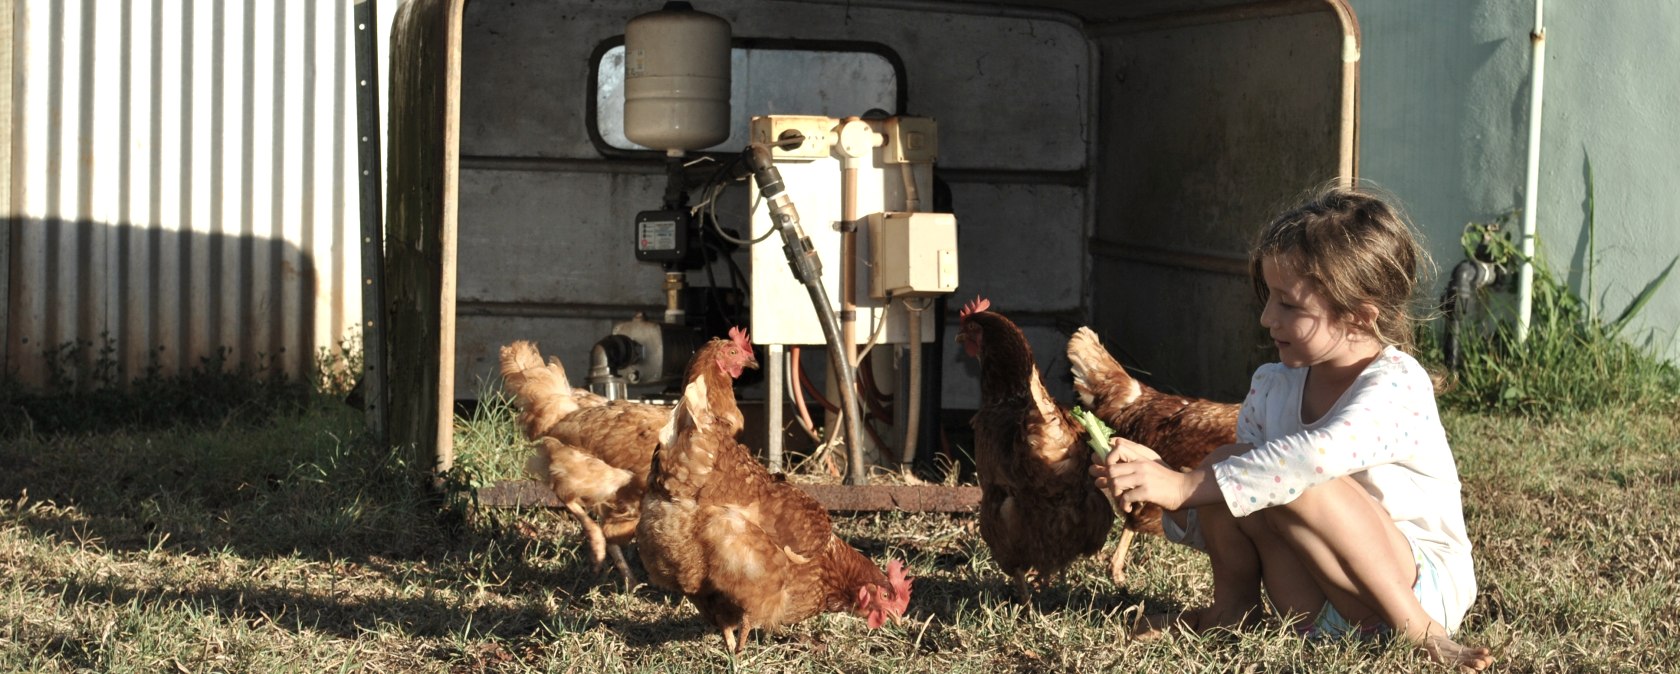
[(1023, 589), (746, 630), (1117, 564), (592, 533), (729, 640), (617, 554)]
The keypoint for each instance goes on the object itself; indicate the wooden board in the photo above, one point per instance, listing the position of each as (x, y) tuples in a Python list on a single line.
[(839, 498)]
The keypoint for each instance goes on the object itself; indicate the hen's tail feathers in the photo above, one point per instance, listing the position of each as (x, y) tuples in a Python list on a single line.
[(1096, 375), (539, 389)]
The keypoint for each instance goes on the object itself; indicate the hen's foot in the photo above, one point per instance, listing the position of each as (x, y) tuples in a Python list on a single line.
[(591, 534)]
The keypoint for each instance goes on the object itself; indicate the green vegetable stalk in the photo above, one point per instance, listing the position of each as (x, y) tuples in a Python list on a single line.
[(1097, 436), (1099, 432)]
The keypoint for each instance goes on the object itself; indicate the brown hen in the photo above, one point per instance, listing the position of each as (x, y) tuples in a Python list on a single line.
[(1182, 430), (1039, 508), (595, 454), (749, 550)]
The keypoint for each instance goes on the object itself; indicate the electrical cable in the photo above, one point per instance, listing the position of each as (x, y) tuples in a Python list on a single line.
[(875, 336), (873, 398), (796, 390), (913, 407), (812, 387)]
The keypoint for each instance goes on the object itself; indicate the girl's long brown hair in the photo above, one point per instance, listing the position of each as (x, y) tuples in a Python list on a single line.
[(1356, 248)]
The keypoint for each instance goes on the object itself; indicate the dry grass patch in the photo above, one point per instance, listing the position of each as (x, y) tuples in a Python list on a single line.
[(288, 546)]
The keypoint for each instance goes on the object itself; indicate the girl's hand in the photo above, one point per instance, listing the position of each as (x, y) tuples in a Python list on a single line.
[(1142, 481)]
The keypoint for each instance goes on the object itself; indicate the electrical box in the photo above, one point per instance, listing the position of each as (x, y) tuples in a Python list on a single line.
[(910, 140), (781, 306), (912, 254)]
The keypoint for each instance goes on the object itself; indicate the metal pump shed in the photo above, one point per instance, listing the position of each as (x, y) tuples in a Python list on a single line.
[(1179, 128)]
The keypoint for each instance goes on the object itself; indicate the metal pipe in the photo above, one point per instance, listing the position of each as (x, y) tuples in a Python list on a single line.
[(773, 375), (1531, 188), (1347, 136), (1467, 277), (674, 283), (913, 406), (605, 358), (848, 263)]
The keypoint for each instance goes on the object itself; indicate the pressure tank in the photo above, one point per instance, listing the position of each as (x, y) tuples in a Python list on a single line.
[(676, 79)]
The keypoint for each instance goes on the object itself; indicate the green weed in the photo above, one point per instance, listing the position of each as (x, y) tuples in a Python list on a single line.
[(1572, 359)]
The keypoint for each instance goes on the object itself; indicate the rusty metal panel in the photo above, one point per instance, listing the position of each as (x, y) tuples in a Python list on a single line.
[(182, 181)]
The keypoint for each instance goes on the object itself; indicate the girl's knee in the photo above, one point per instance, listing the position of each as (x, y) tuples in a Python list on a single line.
[(1342, 492)]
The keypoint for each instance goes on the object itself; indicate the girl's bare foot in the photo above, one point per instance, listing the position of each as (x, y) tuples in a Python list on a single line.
[(1157, 625), (1448, 652)]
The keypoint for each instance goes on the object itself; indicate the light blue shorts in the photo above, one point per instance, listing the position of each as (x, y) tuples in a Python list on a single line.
[(1190, 534), (1427, 588)]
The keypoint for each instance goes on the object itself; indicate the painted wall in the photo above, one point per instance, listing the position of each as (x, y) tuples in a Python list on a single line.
[(1444, 125)]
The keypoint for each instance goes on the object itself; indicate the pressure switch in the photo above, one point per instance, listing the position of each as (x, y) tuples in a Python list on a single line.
[(663, 236)]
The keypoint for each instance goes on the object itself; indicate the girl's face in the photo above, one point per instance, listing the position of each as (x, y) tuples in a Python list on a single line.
[(1307, 332)]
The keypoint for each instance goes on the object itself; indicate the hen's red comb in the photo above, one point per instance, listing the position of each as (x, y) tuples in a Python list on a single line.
[(896, 580), (977, 305), (895, 572), (740, 337)]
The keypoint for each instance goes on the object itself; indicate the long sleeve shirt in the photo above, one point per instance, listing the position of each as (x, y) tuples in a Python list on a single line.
[(1384, 433)]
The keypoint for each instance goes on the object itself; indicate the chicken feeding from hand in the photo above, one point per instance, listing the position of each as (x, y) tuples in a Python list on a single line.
[(750, 550), (594, 454), (1039, 509), (1182, 430)]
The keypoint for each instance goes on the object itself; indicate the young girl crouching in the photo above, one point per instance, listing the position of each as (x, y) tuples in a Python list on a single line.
[(1341, 498)]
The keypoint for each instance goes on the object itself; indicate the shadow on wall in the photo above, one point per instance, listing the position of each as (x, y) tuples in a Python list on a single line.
[(89, 302)]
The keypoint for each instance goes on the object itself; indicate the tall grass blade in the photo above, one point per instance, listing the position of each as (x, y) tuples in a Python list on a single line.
[(1640, 300)]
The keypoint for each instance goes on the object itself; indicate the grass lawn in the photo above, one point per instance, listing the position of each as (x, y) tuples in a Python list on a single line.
[(289, 546)]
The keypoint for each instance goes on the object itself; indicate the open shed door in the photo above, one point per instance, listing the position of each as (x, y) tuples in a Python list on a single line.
[(1211, 122)]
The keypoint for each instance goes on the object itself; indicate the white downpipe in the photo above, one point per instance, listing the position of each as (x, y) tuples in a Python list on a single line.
[(1537, 82)]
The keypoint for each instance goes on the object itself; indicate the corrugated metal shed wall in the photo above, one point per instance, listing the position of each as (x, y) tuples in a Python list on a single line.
[(182, 179)]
